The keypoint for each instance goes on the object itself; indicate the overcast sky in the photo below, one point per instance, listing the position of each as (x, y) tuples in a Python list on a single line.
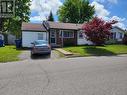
[(106, 9)]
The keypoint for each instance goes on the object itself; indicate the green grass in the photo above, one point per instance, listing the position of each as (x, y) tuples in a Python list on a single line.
[(107, 50), (9, 53)]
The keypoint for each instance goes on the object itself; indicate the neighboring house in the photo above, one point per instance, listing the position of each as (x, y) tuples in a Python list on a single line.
[(8, 38), (57, 34), (11, 39), (1, 37), (117, 33)]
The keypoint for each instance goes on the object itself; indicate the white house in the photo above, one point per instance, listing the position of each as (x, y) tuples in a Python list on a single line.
[(117, 33), (1, 37), (32, 32), (59, 34)]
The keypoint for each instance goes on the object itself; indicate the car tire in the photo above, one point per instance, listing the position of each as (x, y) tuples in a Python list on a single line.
[(32, 53), (49, 53)]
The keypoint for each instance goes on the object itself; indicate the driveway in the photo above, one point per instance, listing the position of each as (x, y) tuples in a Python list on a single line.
[(71, 76), (26, 55)]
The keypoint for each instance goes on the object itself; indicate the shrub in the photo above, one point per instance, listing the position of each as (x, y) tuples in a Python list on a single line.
[(111, 41), (98, 30)]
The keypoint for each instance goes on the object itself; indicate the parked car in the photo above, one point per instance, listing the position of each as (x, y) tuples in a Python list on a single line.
[(40, 47)]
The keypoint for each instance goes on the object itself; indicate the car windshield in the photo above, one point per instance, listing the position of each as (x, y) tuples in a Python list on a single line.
[(40, 42)]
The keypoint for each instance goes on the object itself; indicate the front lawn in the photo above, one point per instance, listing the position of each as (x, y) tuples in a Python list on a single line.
[(9, 53), (98, 50)]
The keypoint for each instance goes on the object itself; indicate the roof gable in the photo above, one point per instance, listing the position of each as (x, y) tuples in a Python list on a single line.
[(118, 28)]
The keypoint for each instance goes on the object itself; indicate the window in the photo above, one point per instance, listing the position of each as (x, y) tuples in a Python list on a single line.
[(0, 37), (53, 34), (40, 36), (114, 35), (68, 34), (80, 36), (121, 36)]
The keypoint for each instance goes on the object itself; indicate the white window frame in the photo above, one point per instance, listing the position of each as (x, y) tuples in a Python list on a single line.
[(120, 35), (79, 34), (40, 36)]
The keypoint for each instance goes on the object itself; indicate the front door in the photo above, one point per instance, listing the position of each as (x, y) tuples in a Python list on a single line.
[(53, 37)]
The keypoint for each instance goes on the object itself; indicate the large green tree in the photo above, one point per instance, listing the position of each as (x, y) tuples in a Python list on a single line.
[(75, 11), (50, 18), (22, 12)]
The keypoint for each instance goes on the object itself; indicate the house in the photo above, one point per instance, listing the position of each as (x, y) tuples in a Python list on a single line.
[(117, 33), (9, 39), (52, 32), (58, 34), (32, 32), (1, 37)]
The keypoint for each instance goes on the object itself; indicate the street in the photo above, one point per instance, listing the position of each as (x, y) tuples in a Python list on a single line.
[(65, 76)]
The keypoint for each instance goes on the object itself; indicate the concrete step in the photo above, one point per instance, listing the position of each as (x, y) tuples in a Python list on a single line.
[(66, 53)]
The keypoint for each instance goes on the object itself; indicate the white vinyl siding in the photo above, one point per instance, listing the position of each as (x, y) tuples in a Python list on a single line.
[(82, 40), (28, 37), (1, 37), (117, 34)]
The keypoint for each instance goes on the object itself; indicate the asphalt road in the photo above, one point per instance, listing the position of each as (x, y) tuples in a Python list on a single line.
[(73, 76)]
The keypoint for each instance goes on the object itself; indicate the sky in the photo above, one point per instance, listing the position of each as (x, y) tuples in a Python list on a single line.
[(105, 9)]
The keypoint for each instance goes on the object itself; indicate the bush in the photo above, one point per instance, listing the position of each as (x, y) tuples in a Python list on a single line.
[(98, 30), (111, 41)]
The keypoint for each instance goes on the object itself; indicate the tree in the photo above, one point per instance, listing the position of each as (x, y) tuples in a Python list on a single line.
[(22, 12), (75, 11), (97, 30), (50, 18)]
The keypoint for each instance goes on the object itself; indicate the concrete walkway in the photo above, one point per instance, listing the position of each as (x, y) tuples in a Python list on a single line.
[(66, 53)]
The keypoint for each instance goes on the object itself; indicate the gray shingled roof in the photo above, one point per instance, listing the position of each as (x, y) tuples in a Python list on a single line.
[(70, 26), (33, 27), (51, 25)]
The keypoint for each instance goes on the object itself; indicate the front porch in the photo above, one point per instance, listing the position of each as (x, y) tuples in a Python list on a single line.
[(61, 38)]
